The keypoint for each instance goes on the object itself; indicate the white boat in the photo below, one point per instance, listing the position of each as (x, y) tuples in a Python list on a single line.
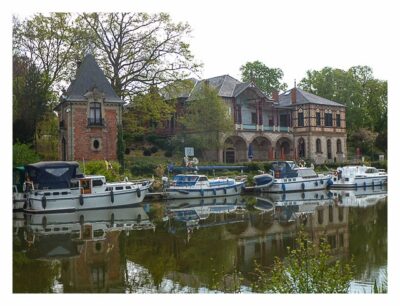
[(358, 176), (59, 186), (186, 186), (362, 197), (286, 176)]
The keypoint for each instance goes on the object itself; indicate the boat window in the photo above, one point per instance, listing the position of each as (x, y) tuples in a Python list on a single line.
[(202, 179), (119, 188), (371, 170), (57, 171), (109, 188), (64, 193), (306, 173), (47, 193), (56, 193), (97, 182), (128, 187)]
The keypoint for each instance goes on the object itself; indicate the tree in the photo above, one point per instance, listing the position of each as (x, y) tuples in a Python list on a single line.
[(146, 112), (53, 42), (138, 50), (364, 96), (307, 269), (206, 120), (30, 99), (267, 79)]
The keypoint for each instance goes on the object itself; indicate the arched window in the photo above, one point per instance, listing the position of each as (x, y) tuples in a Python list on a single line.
[(318, 145), (339, 146)]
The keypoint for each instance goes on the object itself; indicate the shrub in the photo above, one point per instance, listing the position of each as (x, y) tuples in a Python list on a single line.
[(153, 149), (145, 167), (127, 151), (23, 154), (99, 167), (146, 152), (168, 154)]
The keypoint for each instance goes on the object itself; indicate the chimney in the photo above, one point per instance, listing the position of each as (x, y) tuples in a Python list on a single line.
[(275, 95), (293, 92)]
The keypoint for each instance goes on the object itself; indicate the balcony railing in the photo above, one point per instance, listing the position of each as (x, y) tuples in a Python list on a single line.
[(266, 128), (95, 122)]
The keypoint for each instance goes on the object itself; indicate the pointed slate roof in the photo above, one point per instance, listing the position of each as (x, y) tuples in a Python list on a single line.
[(89, 76), (304, 97)]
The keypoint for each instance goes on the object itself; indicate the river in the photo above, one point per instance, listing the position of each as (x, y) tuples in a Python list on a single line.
[(210, 245)]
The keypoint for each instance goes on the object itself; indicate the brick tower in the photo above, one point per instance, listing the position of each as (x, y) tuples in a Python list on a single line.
[(89, 115)]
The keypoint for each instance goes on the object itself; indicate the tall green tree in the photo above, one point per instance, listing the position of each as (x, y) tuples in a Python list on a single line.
[(267, 79), (31, 98), (146, 112), (364, 96), (206, 120)]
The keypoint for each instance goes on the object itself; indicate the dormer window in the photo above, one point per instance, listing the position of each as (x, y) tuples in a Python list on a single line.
[(95, 114)]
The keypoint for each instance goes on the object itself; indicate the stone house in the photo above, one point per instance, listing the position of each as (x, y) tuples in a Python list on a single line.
[(292, 125), (89, 115)]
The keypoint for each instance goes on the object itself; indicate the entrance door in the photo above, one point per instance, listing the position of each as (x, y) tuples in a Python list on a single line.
[(301, 148), (230, 155), (64, 149)]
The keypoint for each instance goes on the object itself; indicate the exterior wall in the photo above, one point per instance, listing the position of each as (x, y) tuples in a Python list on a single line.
[(80, 136)]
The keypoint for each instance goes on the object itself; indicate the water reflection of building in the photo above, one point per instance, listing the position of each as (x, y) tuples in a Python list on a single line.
[(269, 232), (87, 244)]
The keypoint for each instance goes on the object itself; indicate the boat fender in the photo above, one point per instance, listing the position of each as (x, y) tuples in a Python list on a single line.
[(235, 188), (330, 182), (81, 199), (112, 196), (316, 183), (303, 195), (44, 202), (303, 186), (202, 192), (365, 185), (215, 192), (321, 181), (283, 187), (138, 192), (44, 222), (224, 190)]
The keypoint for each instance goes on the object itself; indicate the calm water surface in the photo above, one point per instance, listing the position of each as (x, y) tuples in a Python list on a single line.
[(195, 245)]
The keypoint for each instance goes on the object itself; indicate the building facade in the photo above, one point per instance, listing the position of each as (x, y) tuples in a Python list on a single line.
[(89, 115), (292, 125)]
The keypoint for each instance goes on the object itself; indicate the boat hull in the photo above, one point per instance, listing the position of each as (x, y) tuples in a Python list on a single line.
[(196, 192), (51, 201), (359, 182), (298, 184)]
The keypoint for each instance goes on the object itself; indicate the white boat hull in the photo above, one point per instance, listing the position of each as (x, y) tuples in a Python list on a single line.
[(359, 182), (298, 184), (53, 200), (196, 192)]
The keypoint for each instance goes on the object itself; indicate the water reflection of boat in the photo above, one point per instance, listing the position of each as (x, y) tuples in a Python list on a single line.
[(360, 197), (289, 206), (191, 211), (90, 224)]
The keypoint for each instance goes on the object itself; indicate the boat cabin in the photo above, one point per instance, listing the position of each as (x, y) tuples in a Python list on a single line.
[(182, 180), (288, 169)]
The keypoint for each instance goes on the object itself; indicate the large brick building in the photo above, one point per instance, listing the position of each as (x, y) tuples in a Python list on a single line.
[(292, 125), (89, 115)]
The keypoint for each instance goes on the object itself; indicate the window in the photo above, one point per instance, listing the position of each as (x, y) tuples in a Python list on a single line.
[(339, 146), (283, 120), (338, 120), (300, 119), (96, 144), (318, 145), (253, 118), (318, 119), (95, 114), (328, 119)]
